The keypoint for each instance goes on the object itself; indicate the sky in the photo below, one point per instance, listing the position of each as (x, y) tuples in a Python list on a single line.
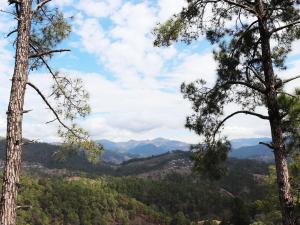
[(134, 87)]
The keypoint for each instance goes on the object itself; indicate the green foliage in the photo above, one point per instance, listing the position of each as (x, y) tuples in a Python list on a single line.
[(168, 32), (211, 222), (210, 158), (240, 213), (198, 198), (179, 219), (49, 28), (77, 201), (290, 105), (70, 96), (268, 208), (181, 199)]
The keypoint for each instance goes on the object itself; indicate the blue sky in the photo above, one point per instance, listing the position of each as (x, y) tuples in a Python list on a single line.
[(134, 87)]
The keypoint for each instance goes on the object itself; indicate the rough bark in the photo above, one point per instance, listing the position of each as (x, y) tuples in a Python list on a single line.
[(11, 176), (284, 188)]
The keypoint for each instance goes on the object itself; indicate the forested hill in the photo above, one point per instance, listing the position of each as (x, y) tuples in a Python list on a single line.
[(154, 190)]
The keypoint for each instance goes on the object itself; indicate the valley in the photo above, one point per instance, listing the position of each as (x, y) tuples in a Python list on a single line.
[(158, 189)]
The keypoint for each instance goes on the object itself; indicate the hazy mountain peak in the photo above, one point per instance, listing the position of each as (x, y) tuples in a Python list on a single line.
[(145, 147)]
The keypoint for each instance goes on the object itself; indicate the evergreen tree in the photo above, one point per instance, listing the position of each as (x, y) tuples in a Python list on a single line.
[(40, 29), (248, 67)]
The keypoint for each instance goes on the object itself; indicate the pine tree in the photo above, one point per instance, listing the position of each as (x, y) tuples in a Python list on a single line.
[(253, 39), (40, 28)]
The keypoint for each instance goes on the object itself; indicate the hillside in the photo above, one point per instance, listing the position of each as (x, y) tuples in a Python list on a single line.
[(116, 163), (78, 201), (153, 190)]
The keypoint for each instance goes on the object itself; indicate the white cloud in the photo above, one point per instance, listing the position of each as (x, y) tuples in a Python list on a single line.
[(139, 98), (168, 8), (62, 3), (98, 8)]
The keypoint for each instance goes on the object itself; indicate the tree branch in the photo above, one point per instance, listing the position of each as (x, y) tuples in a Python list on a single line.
[(284, 27), (262, 91), (41, 4), (239, 112), (243, 35), (12, 32), (241, 6), (40, 54), (7, 12), (52, 73), (26, 111), (256, 74), (51, 108), (288, 94), (267, 144), (44, 61), (13, 1), (51, 121), (291, 79)]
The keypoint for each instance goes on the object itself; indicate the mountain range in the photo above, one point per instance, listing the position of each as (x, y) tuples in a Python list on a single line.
[(145, 147), (119, 152), (246, 148)]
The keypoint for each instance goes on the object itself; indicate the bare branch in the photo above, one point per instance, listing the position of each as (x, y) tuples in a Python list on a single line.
[(12, 32), (44, 61), (262, 91), (26, 111), (291, 79), (256, 74), (245, 7), (288, 94), (13, 1), (51, 108), (284, 27), (7, 12), (239, 112), (267, 144), (51, 121), (283, 82), (41, 4), (40, 54)]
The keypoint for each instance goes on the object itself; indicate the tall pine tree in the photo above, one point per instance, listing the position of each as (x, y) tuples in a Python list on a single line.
[(40, 28), (253, 39)]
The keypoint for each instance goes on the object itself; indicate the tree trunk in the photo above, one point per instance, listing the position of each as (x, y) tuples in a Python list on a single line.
[(283, 183), (11, 176)]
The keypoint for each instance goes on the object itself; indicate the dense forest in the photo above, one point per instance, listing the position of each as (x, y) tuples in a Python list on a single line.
[(175, 199)]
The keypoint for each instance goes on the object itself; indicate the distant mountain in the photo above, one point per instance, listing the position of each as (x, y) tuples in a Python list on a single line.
[(243, 142), (244, 148), (117, 157), (147, 150), (257, 152), (116, 163), (146, 147)]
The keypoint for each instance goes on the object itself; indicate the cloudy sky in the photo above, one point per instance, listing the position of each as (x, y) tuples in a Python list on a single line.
[(134, 87)]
